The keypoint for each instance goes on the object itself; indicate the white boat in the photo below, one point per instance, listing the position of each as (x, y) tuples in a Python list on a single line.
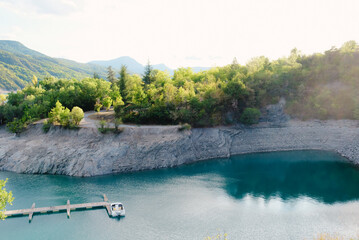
[(117, 209)]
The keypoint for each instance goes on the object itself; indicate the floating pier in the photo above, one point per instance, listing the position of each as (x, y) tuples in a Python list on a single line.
[(68, 208)]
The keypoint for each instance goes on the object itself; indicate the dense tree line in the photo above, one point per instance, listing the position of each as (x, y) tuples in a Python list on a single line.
[(315, 86), (36, 100)]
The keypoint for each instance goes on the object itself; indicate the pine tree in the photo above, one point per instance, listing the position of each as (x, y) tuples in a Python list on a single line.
[(147, 78), (111, 75), (122, 80), (34, 80), (95, 75)]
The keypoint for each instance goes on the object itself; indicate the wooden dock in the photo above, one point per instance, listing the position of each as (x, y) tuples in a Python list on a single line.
[(66, 208)]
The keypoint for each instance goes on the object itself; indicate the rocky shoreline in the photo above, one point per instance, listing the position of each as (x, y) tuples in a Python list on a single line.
[(86, 152)]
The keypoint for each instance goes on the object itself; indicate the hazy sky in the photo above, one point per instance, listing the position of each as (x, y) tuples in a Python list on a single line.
[(178, 32)]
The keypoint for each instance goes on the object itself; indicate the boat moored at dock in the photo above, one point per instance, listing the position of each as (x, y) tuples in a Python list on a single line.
[(117, 210)]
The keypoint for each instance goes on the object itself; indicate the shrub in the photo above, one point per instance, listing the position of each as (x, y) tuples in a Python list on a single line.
[(55, 113), (46, 126), (2, 114), (250, 116), (107, 102), (118, 102), (102, 128), (63, 116), (117, 122), (16, 126), (77, 114), (98, 107), (2, 99), (185, 126)]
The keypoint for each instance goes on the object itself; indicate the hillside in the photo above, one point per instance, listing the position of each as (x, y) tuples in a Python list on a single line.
[(18, 64)]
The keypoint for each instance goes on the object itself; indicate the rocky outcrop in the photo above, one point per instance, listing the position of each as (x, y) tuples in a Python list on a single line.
[(87, 152)]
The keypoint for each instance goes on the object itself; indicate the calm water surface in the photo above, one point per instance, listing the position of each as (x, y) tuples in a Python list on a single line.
[(283, 195)]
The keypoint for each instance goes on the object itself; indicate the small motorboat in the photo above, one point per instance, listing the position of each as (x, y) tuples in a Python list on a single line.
[(117, 210)]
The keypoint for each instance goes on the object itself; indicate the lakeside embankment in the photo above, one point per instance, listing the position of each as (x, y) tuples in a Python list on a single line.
[(87, 152)]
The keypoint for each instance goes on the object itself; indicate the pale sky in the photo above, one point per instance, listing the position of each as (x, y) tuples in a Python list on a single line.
[(178, 32)]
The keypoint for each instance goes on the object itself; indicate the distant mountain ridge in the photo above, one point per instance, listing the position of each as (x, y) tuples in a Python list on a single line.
[(135, 67), (18, 64)]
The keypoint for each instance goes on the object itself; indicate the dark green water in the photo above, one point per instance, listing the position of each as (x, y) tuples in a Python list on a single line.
[(283, 195)]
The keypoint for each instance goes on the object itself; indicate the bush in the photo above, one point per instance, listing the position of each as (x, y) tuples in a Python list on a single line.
[(55, 113), (46, 126), (2, 115), (98, 107), (250, 116), (77, 114), (102, 128), (107, 102), (185, 126), (117, 122), (16, 126), (63, 116), (2, 99)]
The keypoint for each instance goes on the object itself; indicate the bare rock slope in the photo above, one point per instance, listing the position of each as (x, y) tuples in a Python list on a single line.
[(87, 152)]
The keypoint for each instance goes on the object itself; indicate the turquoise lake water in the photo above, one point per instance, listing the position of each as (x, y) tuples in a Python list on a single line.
[(281, 195)]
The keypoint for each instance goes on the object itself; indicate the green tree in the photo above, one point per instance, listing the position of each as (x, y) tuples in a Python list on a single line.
[(111, 75), (96, 75), (107, 102), (77, 114), (16, 126), (2, 99), (98, 105), (250, 116), (147, 76), (65, 117), (34, 80), (122, 80), (349, 47), (5, 198), (236, 91), (55, 113)]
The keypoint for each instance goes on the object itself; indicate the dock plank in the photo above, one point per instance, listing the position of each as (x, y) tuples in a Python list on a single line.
[(108, 210), (31, 213), (105, 198), (56, 208), (68, 209)]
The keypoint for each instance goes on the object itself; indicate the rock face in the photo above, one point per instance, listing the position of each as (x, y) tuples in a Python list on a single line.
[(87, 152), (274, 114)]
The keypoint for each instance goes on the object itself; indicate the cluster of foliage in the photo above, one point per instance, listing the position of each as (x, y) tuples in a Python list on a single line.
[(316, 86), (322, 86), (327, 86), (200, 99), (184, 127), (36, 100), (61, 115), (5, 198), (104, 127)]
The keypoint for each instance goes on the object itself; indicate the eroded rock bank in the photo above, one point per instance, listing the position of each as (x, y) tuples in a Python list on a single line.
[(87, 152)]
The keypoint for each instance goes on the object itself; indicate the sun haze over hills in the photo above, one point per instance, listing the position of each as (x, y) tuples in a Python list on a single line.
[(18, 64)]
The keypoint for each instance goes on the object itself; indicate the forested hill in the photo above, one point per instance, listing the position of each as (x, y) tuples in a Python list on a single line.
[(18, 64), (317, 86)]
